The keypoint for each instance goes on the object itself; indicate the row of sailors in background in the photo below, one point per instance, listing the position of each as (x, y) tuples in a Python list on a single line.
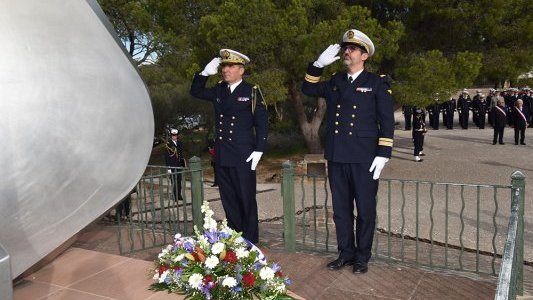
[(480, 106)]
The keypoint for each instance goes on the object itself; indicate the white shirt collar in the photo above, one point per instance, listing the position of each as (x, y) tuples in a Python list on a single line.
[(233, 86), (354, 75)]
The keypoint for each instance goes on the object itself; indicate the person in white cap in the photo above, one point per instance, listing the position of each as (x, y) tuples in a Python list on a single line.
[(240, 137), (359, 138)]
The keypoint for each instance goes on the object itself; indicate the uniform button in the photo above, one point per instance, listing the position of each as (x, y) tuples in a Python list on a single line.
[(233, 117), (222, 116), (355, 106), (220, 138), (229, 139), (220, 123), (336, 123), (351, 124), (336, 131), (350, 133), (353, 116), (231, 131), (231, 124), (337, 114), (220, 130), (338, 106)]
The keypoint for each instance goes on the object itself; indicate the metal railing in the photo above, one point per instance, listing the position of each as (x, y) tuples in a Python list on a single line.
[(157, 212), (510, 280), (437, 225), (6, 283)]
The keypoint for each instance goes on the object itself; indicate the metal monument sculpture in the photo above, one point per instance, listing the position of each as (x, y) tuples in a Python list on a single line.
[(76, 129)]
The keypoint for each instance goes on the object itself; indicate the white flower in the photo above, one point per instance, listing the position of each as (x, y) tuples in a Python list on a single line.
[(195, 280), (266, 273), (169, 248), (179, 257), (202, 240), (163, 276), (241, 252), (177, 236), (229, 282), (156, 275), (211, 262), (217, 248)]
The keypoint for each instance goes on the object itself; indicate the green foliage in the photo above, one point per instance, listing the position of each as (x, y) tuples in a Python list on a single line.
[(431, 76)]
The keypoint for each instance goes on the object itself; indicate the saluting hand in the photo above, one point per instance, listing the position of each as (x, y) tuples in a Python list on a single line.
[(328, 56), (212, 67)]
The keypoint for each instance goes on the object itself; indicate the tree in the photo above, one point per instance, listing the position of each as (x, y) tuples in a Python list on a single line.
[(431, 76)]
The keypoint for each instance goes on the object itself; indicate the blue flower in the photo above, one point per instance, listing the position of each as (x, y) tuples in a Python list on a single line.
[(211, 236), (188, 246), (223, 235), (237, 289), (275, 267), (287, 281)]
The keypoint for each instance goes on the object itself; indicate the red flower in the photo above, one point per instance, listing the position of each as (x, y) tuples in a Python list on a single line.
[(230, 257), (248, 279), (162, 269), (279, 274), (207, 279)]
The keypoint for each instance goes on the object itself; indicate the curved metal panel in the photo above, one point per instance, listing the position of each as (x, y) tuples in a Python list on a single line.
[(76, 124)]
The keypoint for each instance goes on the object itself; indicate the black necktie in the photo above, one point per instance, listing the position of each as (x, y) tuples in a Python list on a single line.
[(350, 79), (229, 90)]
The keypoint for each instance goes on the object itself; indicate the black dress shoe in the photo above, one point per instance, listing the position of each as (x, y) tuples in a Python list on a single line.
[(516, 143), (494, 143), (360, 268), (522, 143), (502, 143), (339, 263)]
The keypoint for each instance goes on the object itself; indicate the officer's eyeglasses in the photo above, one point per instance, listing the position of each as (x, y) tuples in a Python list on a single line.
[(350, 48)]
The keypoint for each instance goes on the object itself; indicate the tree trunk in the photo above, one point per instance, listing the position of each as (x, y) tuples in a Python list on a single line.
[(309, 127)]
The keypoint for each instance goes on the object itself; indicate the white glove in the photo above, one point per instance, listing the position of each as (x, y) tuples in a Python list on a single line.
[(254, 157), (169, 171), (328, 56), (377, 165), (212, 67)]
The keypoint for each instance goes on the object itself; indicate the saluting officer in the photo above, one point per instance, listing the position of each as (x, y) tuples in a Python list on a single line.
[(359, 137), (239, 111)]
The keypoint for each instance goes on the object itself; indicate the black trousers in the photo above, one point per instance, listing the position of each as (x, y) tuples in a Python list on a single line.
[(418, 139), (237, 187), (175, 178), (351, 183), (519, 131), (407, 117), (498, 134)]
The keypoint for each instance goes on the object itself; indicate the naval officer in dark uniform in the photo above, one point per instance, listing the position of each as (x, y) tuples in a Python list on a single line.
[(240, 137), (175, 160), (359, 137)]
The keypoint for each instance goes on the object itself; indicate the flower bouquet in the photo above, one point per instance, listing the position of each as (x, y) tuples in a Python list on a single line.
[(217, 264)]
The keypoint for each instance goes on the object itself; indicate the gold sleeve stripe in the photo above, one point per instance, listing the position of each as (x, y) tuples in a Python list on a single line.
[(386, 144), (390, 91), (312, 79), (385, 140)]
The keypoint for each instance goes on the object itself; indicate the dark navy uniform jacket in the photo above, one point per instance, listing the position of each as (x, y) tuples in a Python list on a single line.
[(236, 120), (360, 120), (174, 154)]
